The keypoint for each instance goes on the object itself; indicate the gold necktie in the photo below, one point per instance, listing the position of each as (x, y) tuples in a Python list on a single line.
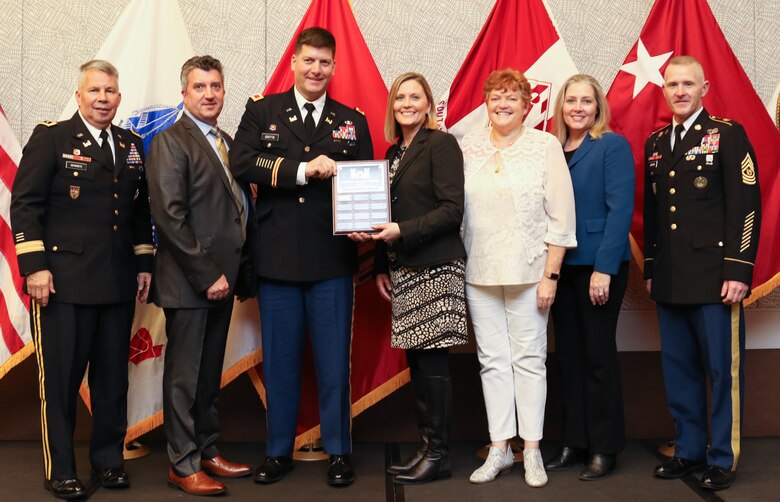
[(237, 194)]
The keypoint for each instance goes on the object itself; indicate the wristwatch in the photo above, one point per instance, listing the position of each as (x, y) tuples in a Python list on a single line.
[(553, 276)]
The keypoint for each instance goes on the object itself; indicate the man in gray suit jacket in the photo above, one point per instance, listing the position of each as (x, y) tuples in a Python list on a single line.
[(201, 213)]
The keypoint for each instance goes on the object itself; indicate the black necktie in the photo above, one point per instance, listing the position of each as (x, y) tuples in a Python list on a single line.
[(106, 148), (678, 131), (308, 121)]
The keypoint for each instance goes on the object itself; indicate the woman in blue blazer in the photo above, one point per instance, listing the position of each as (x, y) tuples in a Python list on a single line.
[(593, 280)]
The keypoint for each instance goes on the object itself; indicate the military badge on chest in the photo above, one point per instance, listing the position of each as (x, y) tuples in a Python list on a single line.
[(345, 131), (74, 191)]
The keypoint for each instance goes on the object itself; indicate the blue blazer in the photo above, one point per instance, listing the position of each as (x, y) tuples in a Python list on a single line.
[(602, 173)]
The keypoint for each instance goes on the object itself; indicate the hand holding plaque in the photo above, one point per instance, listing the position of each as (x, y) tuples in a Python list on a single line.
[(361, 196)]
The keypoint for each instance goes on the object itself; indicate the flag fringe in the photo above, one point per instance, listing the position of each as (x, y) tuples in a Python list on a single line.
[(17, 358)]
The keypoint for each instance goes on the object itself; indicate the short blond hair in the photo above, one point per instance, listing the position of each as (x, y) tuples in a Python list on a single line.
[(603, 114), (392, 129)]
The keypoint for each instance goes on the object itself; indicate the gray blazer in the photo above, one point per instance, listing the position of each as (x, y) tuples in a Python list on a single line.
[(197, 220)]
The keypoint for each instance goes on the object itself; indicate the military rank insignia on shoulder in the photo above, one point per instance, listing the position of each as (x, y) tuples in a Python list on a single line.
[(722, 121), (659, 132), (256, 97), (49, 123), (360, 111)]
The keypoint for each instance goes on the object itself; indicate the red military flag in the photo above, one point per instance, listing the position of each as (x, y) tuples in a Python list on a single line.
[(675, 28), (377, 370), (16, 343), (518, 34)]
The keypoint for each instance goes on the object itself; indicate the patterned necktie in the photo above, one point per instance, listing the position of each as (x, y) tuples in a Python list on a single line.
[(679, 129), (106, 148), (308, 121), (237, 194)]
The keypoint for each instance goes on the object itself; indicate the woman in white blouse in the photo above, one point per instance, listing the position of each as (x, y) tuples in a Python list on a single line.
[(519, 220)]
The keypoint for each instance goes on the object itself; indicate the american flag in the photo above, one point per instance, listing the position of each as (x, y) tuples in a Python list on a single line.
[(14, 304)]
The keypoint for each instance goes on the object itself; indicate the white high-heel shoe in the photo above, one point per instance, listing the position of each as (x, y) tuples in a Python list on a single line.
[(535, 476), (497, 462)]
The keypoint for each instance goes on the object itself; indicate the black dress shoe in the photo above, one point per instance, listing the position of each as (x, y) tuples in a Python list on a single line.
[(565, 458), (111, 477), (67, 489), (599, 466), (340, 472), (676, 467), (717, 478), (273, 468)]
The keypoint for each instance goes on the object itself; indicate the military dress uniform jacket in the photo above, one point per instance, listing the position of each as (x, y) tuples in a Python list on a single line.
[(74, 214), (295, 240), (702, 211), (198, 221)]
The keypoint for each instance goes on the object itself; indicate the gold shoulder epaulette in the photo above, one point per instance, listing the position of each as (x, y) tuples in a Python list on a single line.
[(134, 132), (256, 97), (49, 123), (360, 111), (659, 130), (722, 121)]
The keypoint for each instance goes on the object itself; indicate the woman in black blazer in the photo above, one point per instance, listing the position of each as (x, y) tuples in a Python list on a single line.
[(420, 264)]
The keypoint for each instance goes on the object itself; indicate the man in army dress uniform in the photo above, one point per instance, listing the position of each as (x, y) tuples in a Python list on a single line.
[(701, 217), (288, 144), (81, 224)]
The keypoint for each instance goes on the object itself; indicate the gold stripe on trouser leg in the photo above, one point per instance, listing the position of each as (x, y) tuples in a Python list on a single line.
[(41, 386), (735, 397)]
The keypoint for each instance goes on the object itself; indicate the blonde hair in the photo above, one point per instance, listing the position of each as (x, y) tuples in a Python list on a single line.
[(603, 115), (392, 129)]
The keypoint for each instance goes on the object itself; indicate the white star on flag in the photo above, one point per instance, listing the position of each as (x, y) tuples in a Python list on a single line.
[(646, 68)]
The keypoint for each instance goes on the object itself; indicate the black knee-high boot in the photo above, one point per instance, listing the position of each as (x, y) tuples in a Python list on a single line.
[(435, 462), (423, 425)]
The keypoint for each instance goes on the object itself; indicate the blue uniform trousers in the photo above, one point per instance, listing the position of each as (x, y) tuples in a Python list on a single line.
[(698, 341), (288, 310)]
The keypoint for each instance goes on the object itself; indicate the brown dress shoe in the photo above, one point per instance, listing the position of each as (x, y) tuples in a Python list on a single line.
[(196, 484), (218, 466)]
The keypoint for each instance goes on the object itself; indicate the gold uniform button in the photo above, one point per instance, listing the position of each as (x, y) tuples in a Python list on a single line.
[(116, 180), (116, 227), (671, 174), (674, 226), (672, 191), (698, 168), (268, 145), (116, 195), (75, 174), (54, 248), (720, 243), (673, 208), (301, 200), (307, 148), (345, 152), (116, 212)]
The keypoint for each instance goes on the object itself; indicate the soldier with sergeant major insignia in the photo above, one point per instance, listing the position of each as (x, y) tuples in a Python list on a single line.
[(288, 144), (82, 228), (701, 217)]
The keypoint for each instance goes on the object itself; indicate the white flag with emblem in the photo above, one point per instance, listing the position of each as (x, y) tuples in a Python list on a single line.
[(518, 34), (148, 46)]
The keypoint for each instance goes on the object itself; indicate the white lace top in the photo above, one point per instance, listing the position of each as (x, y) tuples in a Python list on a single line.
[(518, 200)]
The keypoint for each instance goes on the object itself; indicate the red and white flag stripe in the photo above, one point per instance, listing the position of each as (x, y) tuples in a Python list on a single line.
[(519, 34), (14, 304)]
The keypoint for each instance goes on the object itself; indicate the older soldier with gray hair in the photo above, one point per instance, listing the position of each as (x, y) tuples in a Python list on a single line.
[(81, 224)]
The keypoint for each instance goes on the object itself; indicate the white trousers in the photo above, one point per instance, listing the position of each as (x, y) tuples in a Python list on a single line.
[(511, 336)]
